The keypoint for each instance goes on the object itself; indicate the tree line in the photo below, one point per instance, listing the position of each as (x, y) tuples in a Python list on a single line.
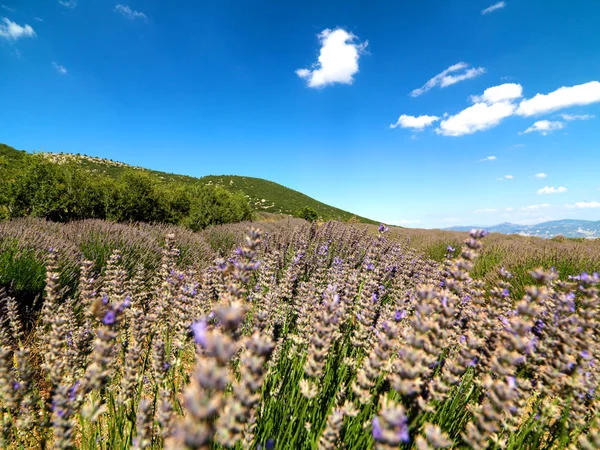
[(37, 187)]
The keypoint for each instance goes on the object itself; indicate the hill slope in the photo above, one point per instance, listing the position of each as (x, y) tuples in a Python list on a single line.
[(568, 228), (263, 195)]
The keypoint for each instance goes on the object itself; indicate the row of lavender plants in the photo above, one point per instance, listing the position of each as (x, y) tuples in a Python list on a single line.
[(303, 337)]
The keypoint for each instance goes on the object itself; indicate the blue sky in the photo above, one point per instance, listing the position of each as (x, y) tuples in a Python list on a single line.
[(425, 114)]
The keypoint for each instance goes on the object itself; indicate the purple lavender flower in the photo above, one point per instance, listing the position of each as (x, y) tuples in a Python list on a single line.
[(505, 293), (374, 297), (383, 228), (400, 315), (109, 318), (104, 299), (73, 391), (199, 329), (403, 434), (323, 249), (512, 382), (377, 431), (16, 386), (449, 249)]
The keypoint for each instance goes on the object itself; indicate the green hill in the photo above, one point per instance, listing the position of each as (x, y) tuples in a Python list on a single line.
[(263, 195)]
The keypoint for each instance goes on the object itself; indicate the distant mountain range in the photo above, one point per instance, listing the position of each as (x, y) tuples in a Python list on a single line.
[(570, 228)]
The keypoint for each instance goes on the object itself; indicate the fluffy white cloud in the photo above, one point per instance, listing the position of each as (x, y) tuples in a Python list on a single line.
[(477, 117), (571, 117), (405, 222), (60, 69), (489, 158), (535, 207), (509, 209), (129, 13), (584, 205), (417, 123), (485, 210), (544, 127), (68, 3), (564, 97), (501, 93), (493, 7), (11, 30), (448, 77), (541, 175), (498, 102), (552, 190), (505, 177), (338, 59)]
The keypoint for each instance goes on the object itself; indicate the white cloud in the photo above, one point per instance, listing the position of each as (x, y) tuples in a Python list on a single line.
[(11, 30), (338, 59), (8, 8), (509, 209), (405, 222), (541, 175), (68, 3), (498, 102), (584, 205), (544, 127), (552, 190), (129, 13), (448, 78), (38, 19), (417, 123), (571, 117), (493, 8), (486, 210), (501, 93), (505, 177), (60, 69), (564, 97), (477, 117), (535, 207), (489, 158)]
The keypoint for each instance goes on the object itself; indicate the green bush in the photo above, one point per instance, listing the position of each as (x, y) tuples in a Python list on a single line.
[(213, 205), (308, 214), (37, 187)]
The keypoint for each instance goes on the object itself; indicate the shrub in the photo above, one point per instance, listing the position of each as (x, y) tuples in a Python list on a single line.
[(65, 192), (308, 214)]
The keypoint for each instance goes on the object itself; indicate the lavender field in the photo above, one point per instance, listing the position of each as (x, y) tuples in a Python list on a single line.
[(290, 335)]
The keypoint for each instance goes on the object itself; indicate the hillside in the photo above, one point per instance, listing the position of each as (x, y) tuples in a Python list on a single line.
[(569, 228), (263, 195)]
